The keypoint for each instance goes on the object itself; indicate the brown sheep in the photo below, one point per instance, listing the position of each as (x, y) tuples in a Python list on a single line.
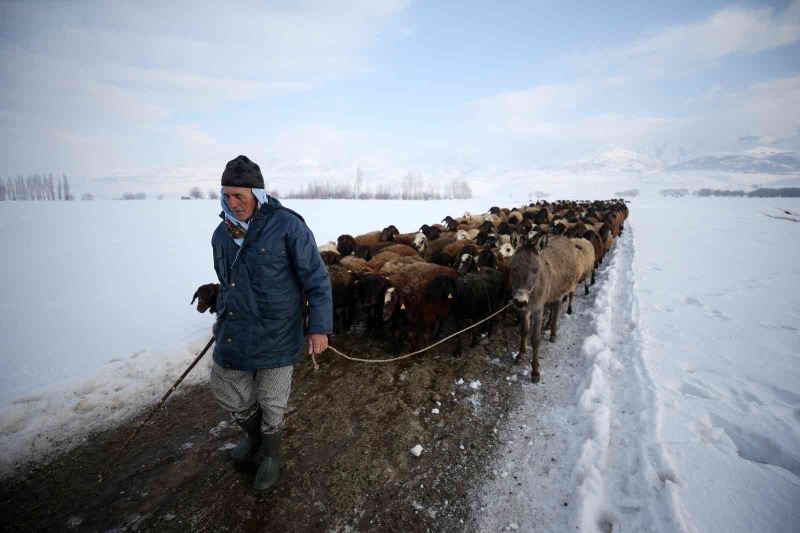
[(396, 265), (540, 277), (330, 258), (361, 246), (407, 300), (456, 249), (593, 237), (429, 248), (586, 261), (381, 259), (356, 264), (345, 245), (342, 287), (514, 217), (206, 296), (369, 239), (401, 249), (405, 238), (389, 233)]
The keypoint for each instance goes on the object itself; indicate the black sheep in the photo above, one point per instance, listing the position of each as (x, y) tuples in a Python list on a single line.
[(473, 297), (370, 290)]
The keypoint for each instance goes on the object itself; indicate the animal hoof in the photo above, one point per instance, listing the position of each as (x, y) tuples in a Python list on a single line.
[(535, 378), (553, 338)]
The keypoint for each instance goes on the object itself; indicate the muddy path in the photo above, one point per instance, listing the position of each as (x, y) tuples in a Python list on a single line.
[(348, 466)]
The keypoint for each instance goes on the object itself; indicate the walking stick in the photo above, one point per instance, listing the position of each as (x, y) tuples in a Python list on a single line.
[(103, 472)]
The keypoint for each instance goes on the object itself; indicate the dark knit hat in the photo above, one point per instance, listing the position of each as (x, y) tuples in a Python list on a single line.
[(241, 172)]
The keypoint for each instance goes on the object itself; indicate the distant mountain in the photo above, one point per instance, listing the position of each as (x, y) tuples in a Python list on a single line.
[(756, 161), (616, 161)]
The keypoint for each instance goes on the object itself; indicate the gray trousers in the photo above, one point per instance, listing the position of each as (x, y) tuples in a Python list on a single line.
[(243, 392)]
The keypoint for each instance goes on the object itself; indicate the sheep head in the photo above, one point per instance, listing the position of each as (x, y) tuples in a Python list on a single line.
[(452, 224), (346, 244), (506, 250), (466, 264), (330, 258), (487, 259), (394, 300), (420, 242), (206, 296), (389, 233)]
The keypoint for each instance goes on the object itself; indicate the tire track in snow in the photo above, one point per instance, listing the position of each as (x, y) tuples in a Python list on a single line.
[(623, 479)]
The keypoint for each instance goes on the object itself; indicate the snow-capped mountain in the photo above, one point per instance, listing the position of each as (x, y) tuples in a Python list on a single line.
[(760, 160), (616, 161)]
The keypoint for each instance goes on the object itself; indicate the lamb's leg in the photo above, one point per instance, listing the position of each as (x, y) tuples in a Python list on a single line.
[(593, 270), (536, 340), (350, 312), (474, 332), (490, 327), (555, 310), (524, 332), (569, 306), (586, 286)]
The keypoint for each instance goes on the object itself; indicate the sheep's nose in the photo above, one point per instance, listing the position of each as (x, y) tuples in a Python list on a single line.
[(519, 304)]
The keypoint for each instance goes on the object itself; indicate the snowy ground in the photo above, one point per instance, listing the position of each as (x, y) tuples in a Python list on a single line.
[(681, 410), (684, 414)]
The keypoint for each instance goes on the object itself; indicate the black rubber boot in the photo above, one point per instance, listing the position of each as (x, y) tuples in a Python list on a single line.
[(246, 449), (270, 469)]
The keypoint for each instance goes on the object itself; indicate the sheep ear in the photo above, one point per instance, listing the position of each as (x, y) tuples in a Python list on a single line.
[(194, 297)]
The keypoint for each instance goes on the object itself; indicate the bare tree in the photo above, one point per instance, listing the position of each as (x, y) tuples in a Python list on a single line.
[(87, 196), (2, 190), (196, 193), (213, 194), (133, 196), (22, 189), (67, 195)]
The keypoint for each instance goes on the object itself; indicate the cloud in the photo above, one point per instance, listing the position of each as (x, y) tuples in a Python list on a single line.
[(728, 31), (113, 71), (598, 112)]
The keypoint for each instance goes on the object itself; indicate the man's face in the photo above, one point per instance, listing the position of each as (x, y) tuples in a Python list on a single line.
[(241, 201)]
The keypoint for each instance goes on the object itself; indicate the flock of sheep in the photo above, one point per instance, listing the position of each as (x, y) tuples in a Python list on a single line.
[(469, 267)]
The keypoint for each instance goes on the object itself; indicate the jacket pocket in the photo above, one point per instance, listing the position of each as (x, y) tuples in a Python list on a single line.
[(276, 303)]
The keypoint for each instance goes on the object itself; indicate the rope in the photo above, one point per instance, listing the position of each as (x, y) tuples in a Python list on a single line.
[(406, 356)]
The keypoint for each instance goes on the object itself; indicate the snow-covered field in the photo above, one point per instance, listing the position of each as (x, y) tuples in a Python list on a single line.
[(684, 413)]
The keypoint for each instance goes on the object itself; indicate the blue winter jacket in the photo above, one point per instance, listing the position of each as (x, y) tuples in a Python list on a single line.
[(262, 286)]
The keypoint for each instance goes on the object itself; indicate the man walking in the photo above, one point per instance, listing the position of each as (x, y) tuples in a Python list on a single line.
[(267, 263)]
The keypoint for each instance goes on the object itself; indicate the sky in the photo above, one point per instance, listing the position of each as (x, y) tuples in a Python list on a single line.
[(124, 93)]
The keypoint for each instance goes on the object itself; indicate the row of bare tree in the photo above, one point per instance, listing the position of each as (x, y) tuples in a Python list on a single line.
[(411, 188), (35, 187)]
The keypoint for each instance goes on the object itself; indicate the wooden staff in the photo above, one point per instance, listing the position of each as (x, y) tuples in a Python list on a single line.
[(124, 447)]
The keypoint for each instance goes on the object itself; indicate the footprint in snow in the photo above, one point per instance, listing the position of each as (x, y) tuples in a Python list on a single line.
[(719, 315), (691, 300), (755, 447), (697, 389)]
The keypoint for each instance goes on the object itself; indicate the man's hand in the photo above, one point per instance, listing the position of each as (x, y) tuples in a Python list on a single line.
[(317, 343)]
